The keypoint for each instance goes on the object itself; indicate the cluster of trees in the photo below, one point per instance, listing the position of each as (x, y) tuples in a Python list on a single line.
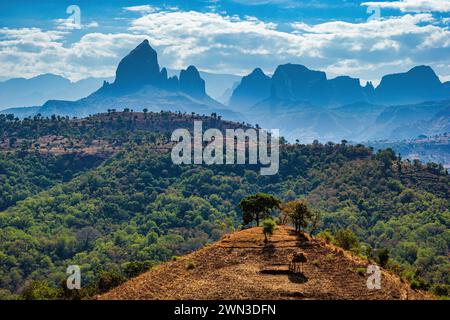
[(104, 281), (137, 206), (116, 128), (260, 205)]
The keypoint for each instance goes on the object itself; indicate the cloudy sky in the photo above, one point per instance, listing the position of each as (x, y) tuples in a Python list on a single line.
[(364, 39)]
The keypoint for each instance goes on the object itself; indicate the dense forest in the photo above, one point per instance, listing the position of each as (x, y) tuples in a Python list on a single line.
[(102, 193)]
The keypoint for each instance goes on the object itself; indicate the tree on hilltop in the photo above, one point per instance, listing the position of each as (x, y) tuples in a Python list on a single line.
[(257, 207), (299, 213)]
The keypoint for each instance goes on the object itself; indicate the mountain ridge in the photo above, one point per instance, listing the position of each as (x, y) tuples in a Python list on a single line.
[(20, 92), (303, 103), (296, 82), (140, 84)]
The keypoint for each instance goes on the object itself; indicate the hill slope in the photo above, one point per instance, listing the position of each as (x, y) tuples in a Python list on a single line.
[(241, 267), (137, 206)]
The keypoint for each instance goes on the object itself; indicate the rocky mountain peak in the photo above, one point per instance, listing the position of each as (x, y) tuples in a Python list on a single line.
[(191, 83), (140, 67)]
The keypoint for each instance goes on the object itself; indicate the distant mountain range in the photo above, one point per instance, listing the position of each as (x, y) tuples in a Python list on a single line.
[(139, 84), (218, 86), (297, 83), (304, 104), (19, 92)]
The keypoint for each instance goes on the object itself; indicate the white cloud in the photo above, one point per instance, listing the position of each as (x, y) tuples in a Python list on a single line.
[(142, 9), (70, 24), (29, 52), (354, 66), (263, 2), (287, 4), (243, 43), (413, 5), (232, 44), (93, 24)]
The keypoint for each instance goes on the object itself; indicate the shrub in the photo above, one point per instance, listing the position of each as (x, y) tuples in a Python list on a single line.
[(7, 295), (367, 251), (39, 290), (442, 290), (346, 239), (108, 280), (326, 235), (417, 282), (383, 257), (361, 271), (190, 265), (135, 268), (330, 257), (269, 226)]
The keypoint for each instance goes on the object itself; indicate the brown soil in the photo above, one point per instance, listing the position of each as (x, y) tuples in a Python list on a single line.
[(242, 266)]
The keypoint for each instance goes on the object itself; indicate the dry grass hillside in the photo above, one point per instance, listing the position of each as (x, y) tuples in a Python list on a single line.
[(241, 266)]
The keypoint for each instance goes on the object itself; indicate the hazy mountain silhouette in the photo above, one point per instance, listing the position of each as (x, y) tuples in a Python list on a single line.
[(218, 86), (252, 89), (140, 68), (301, 102), (19, 92), (297, 83), (304, 104), (139, 84), (417, 85), (191, 83), (345, 90)]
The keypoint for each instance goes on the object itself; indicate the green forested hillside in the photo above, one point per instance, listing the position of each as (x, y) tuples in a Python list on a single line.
[(25, 174), (138, 206)]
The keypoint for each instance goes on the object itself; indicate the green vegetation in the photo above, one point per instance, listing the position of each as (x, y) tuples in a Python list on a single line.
[(269, 226), (298, 213), (25, 174), (383, 257), (258, 206), (135, 268), (190, 265), (136, 208), (39, 290), (327, 236), (346, 239), (361, 271)]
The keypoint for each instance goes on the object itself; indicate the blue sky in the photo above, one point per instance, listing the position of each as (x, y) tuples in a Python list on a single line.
[(226, 36)]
